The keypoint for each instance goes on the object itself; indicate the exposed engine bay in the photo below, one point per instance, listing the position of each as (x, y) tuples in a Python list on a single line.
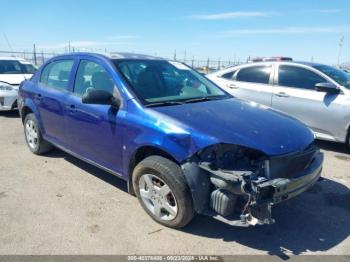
[(238, 185)]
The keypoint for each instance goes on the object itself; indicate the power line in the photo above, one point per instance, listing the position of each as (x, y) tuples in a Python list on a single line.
[(8, 42)]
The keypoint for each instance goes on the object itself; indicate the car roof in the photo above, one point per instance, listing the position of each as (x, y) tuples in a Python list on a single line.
[(286, 62), (307, 63), (114, 56), (311, 64), (119, 56)]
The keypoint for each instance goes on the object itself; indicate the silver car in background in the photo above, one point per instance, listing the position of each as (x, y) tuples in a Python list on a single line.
[(316, 94), (13, 71)]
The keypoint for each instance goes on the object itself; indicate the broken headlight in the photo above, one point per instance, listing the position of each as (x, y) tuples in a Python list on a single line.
[(233, 158), (233, 171)]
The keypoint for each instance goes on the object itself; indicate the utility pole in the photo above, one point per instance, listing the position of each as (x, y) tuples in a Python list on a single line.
[(34, 54), (341, 43), (208, 65)]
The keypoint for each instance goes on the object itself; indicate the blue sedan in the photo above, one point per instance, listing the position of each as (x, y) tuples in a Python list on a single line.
[(183, 144)]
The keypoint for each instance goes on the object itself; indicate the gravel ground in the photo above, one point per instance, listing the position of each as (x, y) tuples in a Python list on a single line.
[(57, 204)]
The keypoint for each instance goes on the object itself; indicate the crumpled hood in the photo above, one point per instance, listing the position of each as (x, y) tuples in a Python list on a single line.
[(238, 122), (14, 79)]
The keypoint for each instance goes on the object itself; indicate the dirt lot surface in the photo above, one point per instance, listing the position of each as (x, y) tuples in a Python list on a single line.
[(57, 204)]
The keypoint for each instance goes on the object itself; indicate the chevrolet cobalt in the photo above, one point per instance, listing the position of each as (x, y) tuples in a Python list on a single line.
[(184, 145)]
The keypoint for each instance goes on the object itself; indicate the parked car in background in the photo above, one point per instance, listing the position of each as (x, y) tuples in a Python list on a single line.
[(12, 72), (183, 144), (268, 59), (316, 94)]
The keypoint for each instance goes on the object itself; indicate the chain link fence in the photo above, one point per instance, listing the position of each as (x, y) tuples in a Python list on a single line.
[(36, 58), (209, 65), (204, 66)]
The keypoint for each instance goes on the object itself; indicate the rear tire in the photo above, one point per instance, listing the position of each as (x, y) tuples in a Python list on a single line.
[(33, 136), (162, 191)]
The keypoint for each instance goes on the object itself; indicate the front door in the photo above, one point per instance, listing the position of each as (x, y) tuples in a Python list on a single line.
[(296, 95), (93, 131)]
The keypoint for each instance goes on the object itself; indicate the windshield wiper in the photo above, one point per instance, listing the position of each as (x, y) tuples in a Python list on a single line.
[(201, 99), (192, 100), (165, 103)]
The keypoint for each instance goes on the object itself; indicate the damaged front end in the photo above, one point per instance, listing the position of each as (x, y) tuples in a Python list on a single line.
[(238, 185)]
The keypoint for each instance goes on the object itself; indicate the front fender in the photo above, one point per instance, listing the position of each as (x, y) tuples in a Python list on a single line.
[(144, 127), (177, 148)]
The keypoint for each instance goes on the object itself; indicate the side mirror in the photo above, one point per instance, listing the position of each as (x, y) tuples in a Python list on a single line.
[(327, 87), (100, 97)]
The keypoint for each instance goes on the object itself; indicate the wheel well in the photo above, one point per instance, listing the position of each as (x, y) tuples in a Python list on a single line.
[(142, 153), (25, 111)]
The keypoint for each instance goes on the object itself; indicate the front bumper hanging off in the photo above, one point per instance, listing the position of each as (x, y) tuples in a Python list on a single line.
[(258, 194), (281, 189)]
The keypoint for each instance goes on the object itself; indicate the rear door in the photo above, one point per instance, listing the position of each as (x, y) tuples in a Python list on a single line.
[(52, 91), (253, 83), (295, 94)]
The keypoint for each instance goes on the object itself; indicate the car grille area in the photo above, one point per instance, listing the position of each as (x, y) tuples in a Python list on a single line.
[(290, 165)]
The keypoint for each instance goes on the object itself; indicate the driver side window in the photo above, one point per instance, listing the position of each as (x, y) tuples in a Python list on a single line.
[(91, 75), (297, 77)]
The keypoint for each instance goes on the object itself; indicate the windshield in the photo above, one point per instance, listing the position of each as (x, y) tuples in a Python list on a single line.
[(160, 82), (337, 75), (16, 67)]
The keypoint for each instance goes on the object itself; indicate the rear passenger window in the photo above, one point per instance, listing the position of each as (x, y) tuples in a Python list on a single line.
[(56, 74), (91, 75), (298, 77), (254, 74)]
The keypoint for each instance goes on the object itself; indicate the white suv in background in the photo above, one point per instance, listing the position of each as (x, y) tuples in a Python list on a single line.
[(316, 94), (13, 71)]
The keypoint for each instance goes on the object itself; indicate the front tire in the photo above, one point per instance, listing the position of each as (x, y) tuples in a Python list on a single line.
[(162, 191), (34, 139)]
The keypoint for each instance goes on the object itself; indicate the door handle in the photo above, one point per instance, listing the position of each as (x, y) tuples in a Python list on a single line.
[(38, 97), (71, 108), (282, 94), (232, 86)]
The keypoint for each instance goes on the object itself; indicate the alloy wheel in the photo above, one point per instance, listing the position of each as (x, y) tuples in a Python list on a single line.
[(158, 197), (32, 134)]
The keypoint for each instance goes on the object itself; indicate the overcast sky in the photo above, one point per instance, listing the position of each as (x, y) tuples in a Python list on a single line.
[(219, 29)]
